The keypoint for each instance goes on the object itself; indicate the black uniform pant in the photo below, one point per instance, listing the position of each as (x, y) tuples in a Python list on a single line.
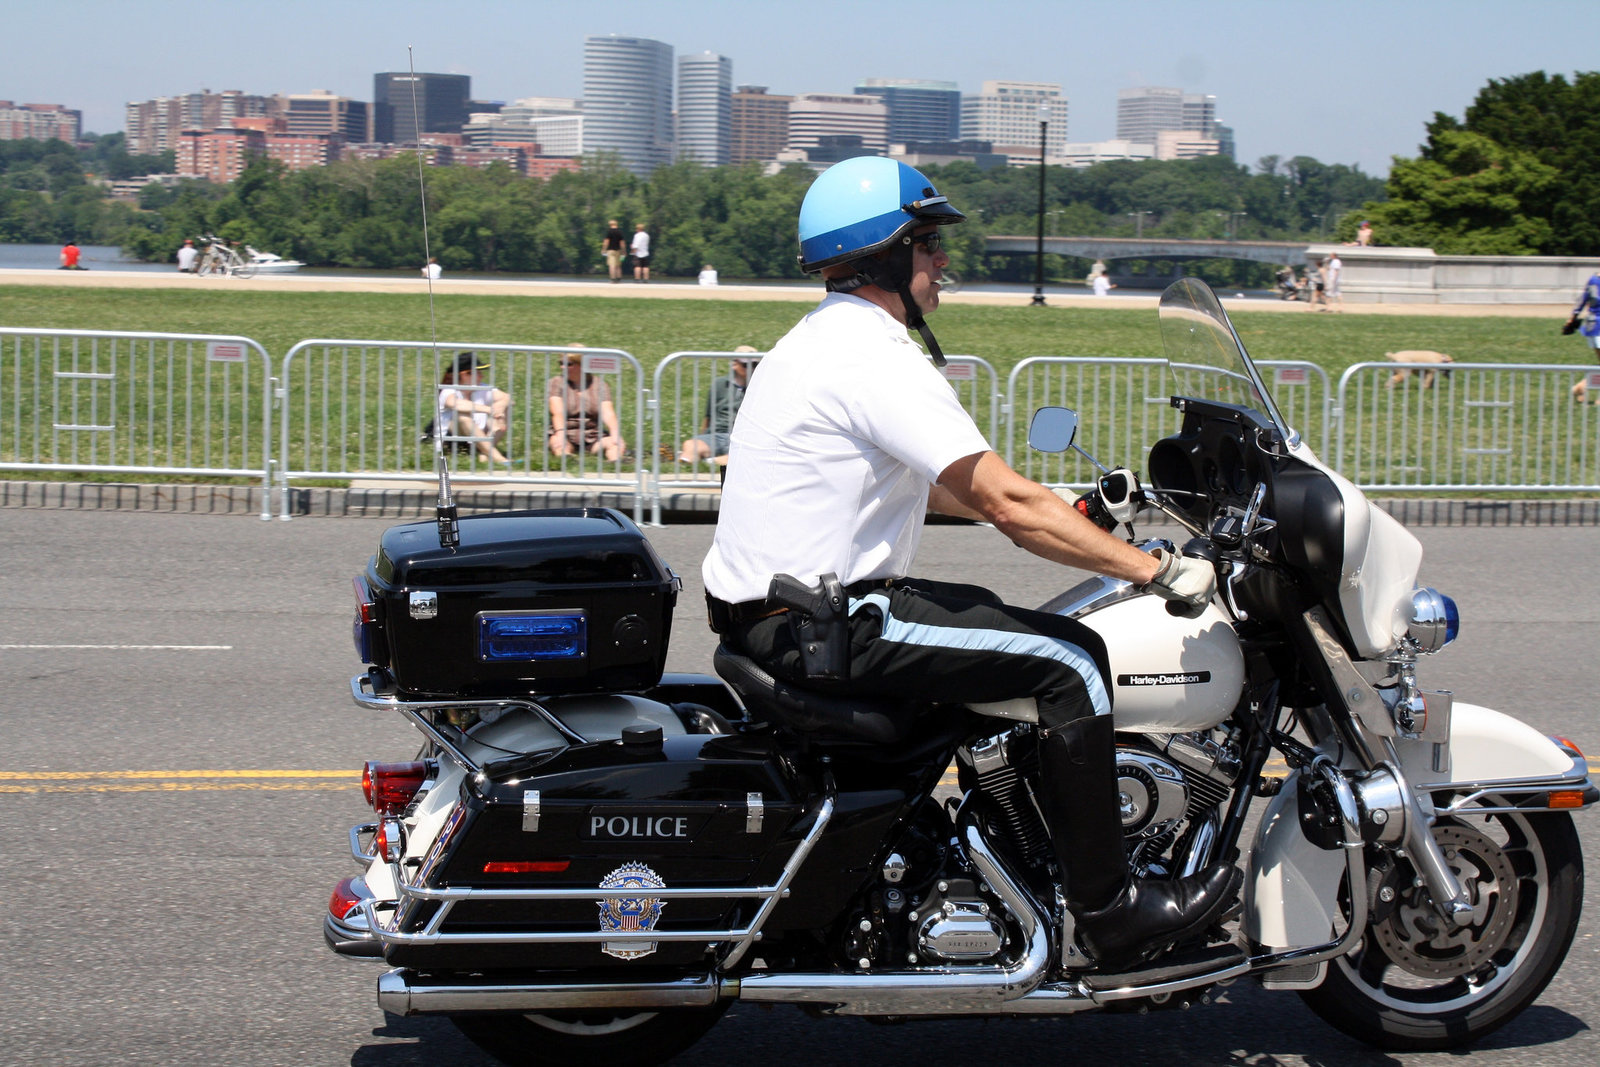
[(940, 642)]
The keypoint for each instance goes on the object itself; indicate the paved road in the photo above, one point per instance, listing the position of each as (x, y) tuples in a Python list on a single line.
[(151, 915)]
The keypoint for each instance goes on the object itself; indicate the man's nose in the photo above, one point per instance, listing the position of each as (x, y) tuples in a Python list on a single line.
[(941, 259)]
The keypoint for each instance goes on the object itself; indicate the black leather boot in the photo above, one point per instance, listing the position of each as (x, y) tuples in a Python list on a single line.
[(1120, 919)]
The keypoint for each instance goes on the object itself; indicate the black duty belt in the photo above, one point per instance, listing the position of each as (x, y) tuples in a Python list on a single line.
[(749, 611)]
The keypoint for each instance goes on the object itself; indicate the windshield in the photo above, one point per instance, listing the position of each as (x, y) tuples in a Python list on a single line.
[(1205, 357)]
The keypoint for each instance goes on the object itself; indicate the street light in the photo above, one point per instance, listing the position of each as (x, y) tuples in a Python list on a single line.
[(1138, 221), (1038, 253), (1233, 223)]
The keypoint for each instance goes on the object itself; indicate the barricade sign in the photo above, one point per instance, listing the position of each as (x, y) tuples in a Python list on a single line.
[(226, 352), (1292, 376)]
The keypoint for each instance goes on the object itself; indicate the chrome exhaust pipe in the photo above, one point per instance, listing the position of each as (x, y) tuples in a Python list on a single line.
[(926, 991), (399, 992)]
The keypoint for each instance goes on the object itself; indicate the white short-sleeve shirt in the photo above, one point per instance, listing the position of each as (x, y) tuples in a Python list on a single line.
[(844, 428)]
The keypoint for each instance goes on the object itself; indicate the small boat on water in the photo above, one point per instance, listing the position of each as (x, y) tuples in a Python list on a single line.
[(267, 263)]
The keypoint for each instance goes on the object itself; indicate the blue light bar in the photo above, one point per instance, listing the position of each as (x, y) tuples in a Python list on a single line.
[(552, 635)]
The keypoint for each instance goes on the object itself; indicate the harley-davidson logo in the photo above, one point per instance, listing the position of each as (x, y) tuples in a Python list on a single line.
[(630, 914), (1181, 678)]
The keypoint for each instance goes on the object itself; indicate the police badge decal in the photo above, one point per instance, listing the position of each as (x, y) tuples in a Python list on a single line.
[(630, 914)]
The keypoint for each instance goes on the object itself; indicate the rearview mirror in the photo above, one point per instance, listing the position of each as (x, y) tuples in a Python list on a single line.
[(1053, 429)]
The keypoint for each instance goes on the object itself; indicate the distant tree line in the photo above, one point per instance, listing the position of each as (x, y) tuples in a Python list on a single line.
[(1515, 176)]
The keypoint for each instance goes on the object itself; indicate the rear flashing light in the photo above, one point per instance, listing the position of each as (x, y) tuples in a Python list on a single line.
[(532, 636), (1566, 798), (389, 843), (364, 630), (390, 787)]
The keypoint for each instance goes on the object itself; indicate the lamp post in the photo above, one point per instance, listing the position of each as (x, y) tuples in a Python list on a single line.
[(1138, 221), (1038, 254), (1233, 223)]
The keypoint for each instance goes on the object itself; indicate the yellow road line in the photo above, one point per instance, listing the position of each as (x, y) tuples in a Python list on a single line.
[(61, 776)]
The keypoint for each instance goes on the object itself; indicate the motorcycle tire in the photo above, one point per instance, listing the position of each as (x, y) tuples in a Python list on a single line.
[(1413, 985), (641, 1037)]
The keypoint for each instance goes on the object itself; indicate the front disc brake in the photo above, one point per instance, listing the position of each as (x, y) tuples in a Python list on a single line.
[(1416, 937)]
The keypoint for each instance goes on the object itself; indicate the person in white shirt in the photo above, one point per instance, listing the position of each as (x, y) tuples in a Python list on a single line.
[(641, 254), (1331, 269), (844, 441), (474, 411), (186, 257), (708, 275), (431, 270), (1102, 284)]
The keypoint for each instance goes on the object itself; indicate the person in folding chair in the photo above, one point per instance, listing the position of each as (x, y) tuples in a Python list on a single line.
[(845, 439), (472, 409)]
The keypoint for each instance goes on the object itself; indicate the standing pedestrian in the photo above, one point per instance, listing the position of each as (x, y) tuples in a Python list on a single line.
[(1586, 321), (641, 254), (1331, 270), (613, 246), (431, 269)]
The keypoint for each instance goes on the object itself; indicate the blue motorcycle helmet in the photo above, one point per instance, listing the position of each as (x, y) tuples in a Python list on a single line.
[(865, 206)]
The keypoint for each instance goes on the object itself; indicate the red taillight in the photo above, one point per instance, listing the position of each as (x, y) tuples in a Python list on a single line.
[(389, 843), (365, 612), (527, 867), (389, 787), (345, 899)]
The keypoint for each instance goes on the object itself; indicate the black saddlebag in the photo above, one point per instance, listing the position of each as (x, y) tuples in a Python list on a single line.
[(544, 872)]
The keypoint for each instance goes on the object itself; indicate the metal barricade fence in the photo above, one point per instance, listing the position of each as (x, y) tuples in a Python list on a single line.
[(689, 386), (1466, 426), (1124, 406), (363, 408), (123, 402)]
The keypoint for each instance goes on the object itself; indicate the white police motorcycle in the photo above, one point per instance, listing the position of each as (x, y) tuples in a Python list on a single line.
[(590, 857)]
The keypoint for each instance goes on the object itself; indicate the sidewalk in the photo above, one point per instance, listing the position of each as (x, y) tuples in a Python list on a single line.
[(416, 501)]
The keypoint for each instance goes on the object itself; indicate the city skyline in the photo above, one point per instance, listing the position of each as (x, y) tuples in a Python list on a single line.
[(1390, 67)]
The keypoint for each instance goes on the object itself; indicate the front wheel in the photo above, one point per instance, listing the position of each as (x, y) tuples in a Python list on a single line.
[(244, 270), (591, 1037), (1414, 982)]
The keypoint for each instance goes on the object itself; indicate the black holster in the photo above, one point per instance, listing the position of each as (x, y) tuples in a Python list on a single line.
[(820, 622)]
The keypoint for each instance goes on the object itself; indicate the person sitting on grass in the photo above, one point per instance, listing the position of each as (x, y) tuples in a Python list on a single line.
[(582, 416)]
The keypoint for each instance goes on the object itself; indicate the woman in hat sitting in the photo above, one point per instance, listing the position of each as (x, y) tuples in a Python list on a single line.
[(474, 410)]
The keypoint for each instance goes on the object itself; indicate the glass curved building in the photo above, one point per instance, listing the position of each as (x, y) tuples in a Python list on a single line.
[(627, 100), (705, 107)]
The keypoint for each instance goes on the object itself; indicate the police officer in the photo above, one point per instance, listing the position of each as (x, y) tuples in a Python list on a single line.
[(844, 441)]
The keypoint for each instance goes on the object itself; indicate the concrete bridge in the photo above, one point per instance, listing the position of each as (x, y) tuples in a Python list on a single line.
[(1108, 248)]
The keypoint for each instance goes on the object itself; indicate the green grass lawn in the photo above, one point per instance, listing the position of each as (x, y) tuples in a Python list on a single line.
[(652, 329)]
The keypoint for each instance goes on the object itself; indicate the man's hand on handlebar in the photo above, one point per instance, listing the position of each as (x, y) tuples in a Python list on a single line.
[(1185, 581)]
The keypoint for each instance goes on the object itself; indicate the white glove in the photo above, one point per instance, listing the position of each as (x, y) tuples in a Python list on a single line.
[(1186, 581)]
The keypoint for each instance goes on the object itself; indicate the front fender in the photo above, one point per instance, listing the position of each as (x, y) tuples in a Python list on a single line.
[(1291, 898)]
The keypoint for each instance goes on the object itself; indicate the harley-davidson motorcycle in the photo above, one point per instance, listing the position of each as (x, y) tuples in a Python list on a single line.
[(588, 855)]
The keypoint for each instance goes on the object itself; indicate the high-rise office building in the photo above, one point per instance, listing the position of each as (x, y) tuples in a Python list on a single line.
[(323, 112), (921, 111), (813, 116), (1006, 114), (405, 105), (627, 100), (1145, 112), (554, 124), (705, 107), (760, 125)]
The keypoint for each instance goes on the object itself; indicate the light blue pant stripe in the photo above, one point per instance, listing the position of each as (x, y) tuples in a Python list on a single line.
[(1006, 641)]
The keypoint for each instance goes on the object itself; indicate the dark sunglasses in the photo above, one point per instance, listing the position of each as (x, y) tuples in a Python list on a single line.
[(929, 241)]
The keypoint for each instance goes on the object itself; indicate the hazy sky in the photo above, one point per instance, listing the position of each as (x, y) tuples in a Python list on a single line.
[(1344, 81)]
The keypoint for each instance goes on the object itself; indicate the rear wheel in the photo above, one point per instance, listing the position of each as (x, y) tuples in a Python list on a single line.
[(642, 1037), (1415, 982)]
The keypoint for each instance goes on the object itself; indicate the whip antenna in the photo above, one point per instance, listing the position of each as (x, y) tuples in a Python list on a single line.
[(445, 510)]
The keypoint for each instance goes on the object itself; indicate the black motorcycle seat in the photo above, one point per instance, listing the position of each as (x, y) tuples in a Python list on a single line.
[(818, 716)]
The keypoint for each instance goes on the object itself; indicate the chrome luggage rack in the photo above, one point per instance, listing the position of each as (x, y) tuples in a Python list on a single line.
[(735, 941), (413, 710)]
